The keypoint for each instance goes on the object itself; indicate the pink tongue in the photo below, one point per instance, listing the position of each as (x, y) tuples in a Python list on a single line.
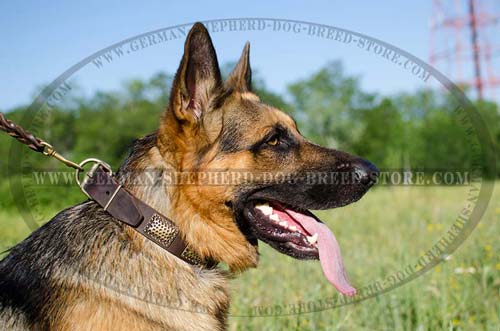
[(329, 252)]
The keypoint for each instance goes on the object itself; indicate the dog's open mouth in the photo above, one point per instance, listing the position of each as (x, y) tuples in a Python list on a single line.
[(300, 234)]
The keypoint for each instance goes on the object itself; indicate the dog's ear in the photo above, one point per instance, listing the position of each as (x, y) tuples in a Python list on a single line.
[(198, 78), (241, 77)]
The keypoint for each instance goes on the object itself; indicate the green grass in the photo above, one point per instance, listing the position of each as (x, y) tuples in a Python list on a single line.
[(12, 229), (385, 231)]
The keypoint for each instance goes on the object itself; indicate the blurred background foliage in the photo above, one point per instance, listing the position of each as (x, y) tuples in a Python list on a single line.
[(406, 130)]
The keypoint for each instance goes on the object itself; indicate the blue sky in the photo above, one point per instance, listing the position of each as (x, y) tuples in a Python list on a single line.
[(40, 40)]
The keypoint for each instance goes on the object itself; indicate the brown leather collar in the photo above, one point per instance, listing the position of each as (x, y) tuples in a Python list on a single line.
[(101, 186)]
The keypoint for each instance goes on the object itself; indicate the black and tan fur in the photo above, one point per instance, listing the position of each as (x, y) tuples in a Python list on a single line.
[(83, 270)]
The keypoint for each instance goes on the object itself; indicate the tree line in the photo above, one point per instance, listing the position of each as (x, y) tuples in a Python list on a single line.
[(401, 131)]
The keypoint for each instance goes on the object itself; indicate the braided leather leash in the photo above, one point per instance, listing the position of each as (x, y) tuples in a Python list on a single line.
[(36, 144), (100, 185), (21, 135)]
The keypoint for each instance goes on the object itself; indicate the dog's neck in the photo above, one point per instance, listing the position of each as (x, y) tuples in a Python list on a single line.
[(149, 175)]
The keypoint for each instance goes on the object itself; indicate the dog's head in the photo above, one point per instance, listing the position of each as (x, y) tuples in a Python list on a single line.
[(213, 127)]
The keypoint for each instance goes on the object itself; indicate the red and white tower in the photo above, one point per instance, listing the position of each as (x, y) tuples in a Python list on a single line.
[(465, 44)]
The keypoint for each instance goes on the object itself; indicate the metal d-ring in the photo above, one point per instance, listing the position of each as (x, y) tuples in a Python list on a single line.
[(90, 173)]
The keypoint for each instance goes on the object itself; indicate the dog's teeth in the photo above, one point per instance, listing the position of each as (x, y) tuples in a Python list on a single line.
[(293, 228), (284, 224), (265, 209), (312, 239), (274, 217)]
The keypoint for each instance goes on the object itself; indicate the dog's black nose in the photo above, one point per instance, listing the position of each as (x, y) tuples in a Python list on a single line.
[(365, 171)]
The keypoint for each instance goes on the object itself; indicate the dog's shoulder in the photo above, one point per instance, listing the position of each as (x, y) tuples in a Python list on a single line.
[(55, 251), (86, 258)]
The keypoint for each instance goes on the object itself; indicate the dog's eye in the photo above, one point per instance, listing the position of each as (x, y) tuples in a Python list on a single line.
[(273, 141)]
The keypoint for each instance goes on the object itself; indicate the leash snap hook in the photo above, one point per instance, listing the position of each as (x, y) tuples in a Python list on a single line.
[(49, 151)]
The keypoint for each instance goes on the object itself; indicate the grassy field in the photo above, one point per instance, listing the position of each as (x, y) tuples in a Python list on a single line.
[(385, 231)]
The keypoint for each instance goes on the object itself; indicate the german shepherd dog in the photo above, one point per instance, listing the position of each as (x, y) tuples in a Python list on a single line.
[(84, 270)]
